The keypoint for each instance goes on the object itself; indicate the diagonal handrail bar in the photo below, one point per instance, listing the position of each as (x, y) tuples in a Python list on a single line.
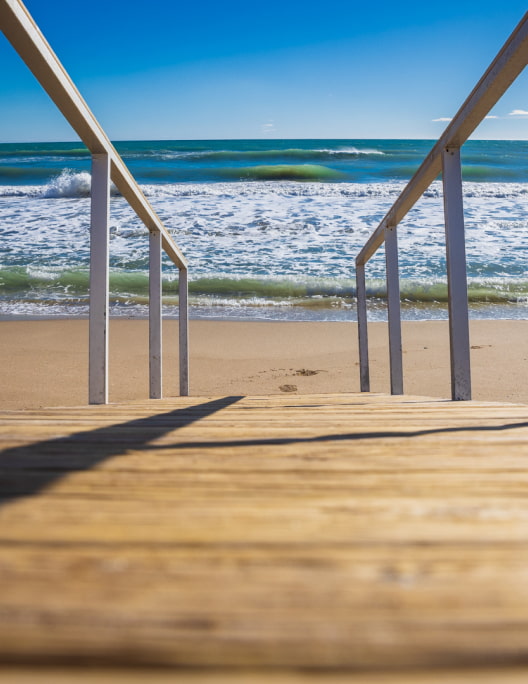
[(444, 158), (23, 33), (499, 76)]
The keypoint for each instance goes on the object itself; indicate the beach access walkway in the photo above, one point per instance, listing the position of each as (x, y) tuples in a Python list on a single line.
[(350, 537)]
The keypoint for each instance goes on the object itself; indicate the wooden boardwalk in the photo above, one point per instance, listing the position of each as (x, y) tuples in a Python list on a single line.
[(331, 533)]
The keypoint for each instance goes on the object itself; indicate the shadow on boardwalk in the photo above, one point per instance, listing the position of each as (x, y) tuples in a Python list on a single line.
[(28, 469), (342, 437)]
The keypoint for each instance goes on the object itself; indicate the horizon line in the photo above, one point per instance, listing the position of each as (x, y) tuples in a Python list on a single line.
[(266, 139)]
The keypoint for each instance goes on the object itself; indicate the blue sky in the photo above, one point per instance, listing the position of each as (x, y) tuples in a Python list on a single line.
[(276, 69)]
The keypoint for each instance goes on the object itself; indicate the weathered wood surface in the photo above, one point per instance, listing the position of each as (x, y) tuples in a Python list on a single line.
[(32, 675), (335, 531)]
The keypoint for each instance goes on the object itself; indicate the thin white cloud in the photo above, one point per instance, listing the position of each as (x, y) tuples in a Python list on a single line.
[(446, 119), (518, 112), (268, 128)]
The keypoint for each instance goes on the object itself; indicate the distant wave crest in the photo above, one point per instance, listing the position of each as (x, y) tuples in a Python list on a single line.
[(292, 153), (309, 172)]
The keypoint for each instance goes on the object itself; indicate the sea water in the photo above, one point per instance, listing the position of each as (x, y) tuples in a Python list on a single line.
[(270, 228)]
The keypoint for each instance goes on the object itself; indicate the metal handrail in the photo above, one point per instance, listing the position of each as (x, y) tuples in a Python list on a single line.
[(23, 33), (444, 158)]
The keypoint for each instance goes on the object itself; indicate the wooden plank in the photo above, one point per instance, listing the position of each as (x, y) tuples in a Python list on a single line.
[(28, 675), (361, 532)]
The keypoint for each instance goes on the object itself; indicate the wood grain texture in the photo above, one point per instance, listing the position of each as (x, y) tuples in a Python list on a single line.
[(71, 675), (355, 532)]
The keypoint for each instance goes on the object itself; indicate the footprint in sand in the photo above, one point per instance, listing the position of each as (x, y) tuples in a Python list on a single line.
[(305, 371), (288, 388)]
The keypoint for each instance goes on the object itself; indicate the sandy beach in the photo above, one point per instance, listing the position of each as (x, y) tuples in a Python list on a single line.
[(44, 363)]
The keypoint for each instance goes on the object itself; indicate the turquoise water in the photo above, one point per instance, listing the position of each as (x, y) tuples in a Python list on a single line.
[(271, 228), (345, 161)]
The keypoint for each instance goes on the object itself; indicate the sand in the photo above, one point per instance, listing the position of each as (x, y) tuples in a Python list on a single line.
[(44, 363)]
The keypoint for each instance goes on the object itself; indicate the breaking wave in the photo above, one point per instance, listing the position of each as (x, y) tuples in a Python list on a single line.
[(309, 291)]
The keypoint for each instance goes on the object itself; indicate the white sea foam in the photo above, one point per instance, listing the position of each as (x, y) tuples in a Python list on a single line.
[(69, 184), (77, 184), (269, 231), (272, 229), (352, 150)]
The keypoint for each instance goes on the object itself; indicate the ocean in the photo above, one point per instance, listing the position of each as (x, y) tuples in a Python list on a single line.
[(270, 228)]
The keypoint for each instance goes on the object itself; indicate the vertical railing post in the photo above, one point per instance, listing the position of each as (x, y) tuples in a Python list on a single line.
[(155, 291), (456, 275), (99, 242), (394, 313), (183, 324), (361, 295)]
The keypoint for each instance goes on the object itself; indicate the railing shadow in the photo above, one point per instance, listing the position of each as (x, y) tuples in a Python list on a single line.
[(341, 437), (26, 470)]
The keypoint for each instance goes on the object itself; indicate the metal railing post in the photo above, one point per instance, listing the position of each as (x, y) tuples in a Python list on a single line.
[(361, 295), (456, 275), (444, 158), (394, 313), (155, 290), (183, 324), (21, 30), (99, 241)]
